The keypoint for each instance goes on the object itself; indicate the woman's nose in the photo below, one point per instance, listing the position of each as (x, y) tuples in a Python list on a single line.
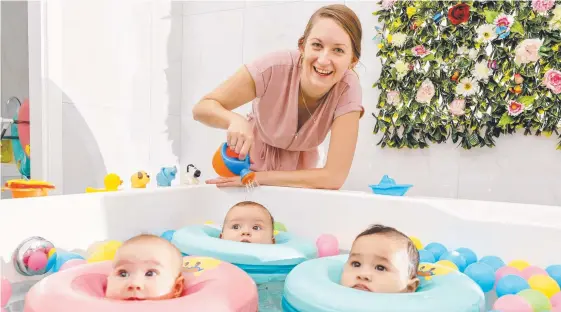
[(324, 58)]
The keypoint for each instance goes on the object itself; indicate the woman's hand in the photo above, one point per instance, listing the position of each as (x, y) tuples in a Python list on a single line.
[(225, 182), (240, 136)]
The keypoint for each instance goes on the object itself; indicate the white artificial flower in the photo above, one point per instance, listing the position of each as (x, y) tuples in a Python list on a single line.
[(486, 33), (467, 86), (401, 67), (398, 39), (462, 50), (473, 54), (481, 71)]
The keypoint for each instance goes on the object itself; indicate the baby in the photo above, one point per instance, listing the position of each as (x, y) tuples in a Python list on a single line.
[(382, 260), (146, 267), (249, 222)]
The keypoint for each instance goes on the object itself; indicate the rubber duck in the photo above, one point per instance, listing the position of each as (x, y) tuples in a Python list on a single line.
[(112, 182), (140, 179), (166, 176)]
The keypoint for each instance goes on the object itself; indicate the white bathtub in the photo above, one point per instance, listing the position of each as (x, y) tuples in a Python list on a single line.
[(73, 222)]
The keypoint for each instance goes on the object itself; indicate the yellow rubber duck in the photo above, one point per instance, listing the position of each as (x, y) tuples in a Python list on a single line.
[(112, 182), (140, 179)]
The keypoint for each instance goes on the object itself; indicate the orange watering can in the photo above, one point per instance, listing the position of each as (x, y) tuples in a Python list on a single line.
[(226, 163)]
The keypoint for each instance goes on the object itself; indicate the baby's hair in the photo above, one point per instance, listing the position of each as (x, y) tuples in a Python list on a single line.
[(252, 203), (151, 237), (412, 251)]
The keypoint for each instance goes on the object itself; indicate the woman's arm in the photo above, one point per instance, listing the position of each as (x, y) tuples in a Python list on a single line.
[(344, 135), (215, 108)]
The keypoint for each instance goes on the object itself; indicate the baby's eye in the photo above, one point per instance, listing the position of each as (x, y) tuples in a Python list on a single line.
[(150, 273), (256, 227), (380, 268), (123, 273), (355, 264), (236, 226)]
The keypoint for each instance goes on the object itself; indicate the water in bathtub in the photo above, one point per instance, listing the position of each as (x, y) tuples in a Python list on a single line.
[(270, 296)]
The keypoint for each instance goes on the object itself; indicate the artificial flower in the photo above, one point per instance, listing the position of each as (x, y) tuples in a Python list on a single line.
[(486, 33), (458, 14), (457, 107), (398, 39), (503, 20), (411, 11), (455, 76), (393, 97), (481, 71), (473, 54), (542, 6), (462, 50), (467, 86), (516, 90), (401, 67), (425, 92), (527, 51), (492, 64), (388, 4), (437, 17), (552, 80), (515, 108), (555, 21), (518, 79), (420, 50)]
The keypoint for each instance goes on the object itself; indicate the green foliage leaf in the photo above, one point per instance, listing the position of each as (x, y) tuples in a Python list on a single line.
[(517, 28), (490, 16), (505, 120)]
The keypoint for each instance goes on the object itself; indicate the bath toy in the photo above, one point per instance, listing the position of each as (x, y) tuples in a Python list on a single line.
[(327, 245), (437, 249), (279, 227), (416, 242), (494, 261), (483, 274), (22, 188), (531, 271), (555, 300), (519, 264), (111, 182), (226, 163), (166, 176), (192, 175), (19, 138), (168, 235), (512, 303), (536, 299), (456, 258), (504, 271), (447, 263), (37, 256), (140, 179), (511, 285), (5, 292), (103, 251), (555, 272), (387, 186), (544, 284), (468, 254), (426, 256)]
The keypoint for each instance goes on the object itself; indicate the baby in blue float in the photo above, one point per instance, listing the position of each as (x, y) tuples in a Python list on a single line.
[(382, 260), (249, 222)]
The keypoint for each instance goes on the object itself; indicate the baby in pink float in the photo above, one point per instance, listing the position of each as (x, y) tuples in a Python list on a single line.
[(146, 267), (249, 222)]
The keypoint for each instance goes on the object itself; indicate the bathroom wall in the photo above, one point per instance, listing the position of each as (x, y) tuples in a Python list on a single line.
[(218, 37), (14, 68)]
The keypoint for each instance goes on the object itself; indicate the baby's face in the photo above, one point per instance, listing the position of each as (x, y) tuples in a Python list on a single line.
[(248, 224), (145, 270), (378, 263)]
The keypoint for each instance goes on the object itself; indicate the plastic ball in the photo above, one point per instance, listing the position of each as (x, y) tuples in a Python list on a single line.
[(448, 264), (494, 261), (519, 264), (455, 257), (426, 256), (511, 285), (52, 251), (512, 303), (168, 235), (556, 300), (71, 263), (5, 292), (327, 245), (416, 242), (555, 272), (437, 250), (279, 227), (105, 251), (482, 274), (545, 284), (536, 299), (531, 271), (506, 271), (37, 261), (468, 254), (209, 222)]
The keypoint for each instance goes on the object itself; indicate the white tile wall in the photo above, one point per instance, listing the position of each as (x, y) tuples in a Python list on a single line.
[(219, 37)]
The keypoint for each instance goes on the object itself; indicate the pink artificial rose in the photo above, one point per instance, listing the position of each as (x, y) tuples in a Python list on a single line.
[(515, 108), (542, 6), (420, 51), (425, 92), (504, 20), (388, 4), (393, 97), (527, 51), (552, 80), (457, 107)]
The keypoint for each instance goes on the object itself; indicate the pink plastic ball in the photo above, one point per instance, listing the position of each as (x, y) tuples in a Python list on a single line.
[(327, 245), (3, 310), (556, 309), (512, 303), (506, 270), (556, 300), (71, 263), (531, 271), (5, 292), (37, 261)]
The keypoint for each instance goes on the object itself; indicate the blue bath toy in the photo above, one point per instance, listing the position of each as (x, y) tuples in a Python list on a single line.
[(387, 186), (226, 163), (166, 175)]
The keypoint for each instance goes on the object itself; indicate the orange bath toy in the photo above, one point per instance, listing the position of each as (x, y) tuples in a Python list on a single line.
[(226, 163)]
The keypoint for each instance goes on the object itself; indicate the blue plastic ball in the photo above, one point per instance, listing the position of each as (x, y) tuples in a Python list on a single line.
[(426, 256), (554, 272), (494, 261), (455, 257), (511, 285), (437, 250), (481, 273), (468, 254), (168, 235)]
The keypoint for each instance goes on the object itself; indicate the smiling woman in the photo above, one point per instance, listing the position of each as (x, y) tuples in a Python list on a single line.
[(297, 96)]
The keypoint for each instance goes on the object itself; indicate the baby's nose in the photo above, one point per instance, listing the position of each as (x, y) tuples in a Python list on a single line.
[(364, 277), (134, 287)]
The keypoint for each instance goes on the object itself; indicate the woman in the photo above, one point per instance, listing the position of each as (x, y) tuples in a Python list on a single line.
[(298, 97)]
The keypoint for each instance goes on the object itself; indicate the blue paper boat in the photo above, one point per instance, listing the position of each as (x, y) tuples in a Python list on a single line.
[(387, 186)]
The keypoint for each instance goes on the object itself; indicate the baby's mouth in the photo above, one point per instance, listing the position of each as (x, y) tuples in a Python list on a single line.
[(322, 72), (245, 241), (134, 299), (361, 287)]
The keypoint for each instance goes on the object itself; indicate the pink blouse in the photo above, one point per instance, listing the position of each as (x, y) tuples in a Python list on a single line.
[(277, 143)]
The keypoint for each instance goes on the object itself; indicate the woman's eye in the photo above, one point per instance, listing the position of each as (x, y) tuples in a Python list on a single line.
[(317, 45), (355, 264), (380, 268), (339, 50)]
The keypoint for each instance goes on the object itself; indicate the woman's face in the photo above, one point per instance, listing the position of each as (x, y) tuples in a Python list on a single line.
[(328, 53)]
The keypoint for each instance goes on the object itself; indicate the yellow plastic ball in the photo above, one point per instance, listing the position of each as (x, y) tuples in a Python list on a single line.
[(105, 251), (209, 222), (519, 264), (276, 232), (416, 242), (51, 253), (448, 263), (544, 284)]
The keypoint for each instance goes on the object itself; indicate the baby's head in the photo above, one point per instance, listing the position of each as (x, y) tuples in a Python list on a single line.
[(249, 222), (382, 260), (146, 267)]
